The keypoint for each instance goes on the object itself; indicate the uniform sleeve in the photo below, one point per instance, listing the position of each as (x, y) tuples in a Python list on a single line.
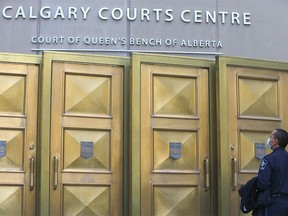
[(264, 175)]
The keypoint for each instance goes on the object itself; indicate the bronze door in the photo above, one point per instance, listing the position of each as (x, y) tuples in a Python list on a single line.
[(86, 142), (18, 134), (251, 103), (172, 156), (174, 135)]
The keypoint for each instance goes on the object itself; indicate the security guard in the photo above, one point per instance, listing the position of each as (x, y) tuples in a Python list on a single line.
[(273, 173)]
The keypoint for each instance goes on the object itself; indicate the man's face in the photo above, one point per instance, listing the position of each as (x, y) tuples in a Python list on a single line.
[(273, 141)]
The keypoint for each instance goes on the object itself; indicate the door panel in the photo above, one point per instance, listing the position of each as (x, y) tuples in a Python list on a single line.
[(174, 138), (86, 162), (254, 107), (18, 135)]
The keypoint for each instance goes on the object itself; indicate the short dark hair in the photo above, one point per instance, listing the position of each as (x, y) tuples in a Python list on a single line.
[(282, 137)]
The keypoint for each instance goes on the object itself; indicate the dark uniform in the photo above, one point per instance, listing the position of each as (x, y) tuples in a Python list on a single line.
[(273, 174)]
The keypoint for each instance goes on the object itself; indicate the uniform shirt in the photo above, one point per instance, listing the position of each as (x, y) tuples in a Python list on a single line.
[(273, 172)]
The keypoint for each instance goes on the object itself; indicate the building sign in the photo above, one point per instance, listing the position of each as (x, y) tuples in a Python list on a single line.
[(237, 28), (91, 27), (129, 14)]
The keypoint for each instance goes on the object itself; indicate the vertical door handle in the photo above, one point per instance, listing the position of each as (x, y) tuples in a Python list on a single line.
[(234, 174), (207, 174), (31, 173), (55, 181)]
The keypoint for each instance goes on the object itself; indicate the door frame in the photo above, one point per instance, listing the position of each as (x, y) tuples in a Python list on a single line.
[(135, 124), (223, 162), (45, 117)]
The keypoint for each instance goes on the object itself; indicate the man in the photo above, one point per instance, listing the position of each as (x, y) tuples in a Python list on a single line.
[(273, 174)]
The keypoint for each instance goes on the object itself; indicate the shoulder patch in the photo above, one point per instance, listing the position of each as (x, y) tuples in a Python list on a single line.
[(263, 164)]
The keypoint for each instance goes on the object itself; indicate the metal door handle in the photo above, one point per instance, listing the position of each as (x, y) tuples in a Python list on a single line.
[(207, 174), (31, 173), (234, 174), (55, 182)]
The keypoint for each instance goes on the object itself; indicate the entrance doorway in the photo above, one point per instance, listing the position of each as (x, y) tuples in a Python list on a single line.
[(86, 134), (252, 101), (170, 136), (18, 134), (146, 135)]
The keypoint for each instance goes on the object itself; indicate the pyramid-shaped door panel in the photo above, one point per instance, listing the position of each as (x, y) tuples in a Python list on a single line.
[(86, 200), (258, 98), (12, 95), (87, 94), (163, 150), (87, 149), (11, 200), (252, 149), (174, 95), (175, 200), (11, 149)]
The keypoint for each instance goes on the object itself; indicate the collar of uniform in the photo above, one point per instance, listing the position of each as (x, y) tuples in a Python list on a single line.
[(279, 148)]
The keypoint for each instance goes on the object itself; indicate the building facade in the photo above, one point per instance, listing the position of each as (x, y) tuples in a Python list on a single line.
[(137, 108)]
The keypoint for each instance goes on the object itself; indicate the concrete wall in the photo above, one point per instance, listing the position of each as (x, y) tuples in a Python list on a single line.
[(252, 29)]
